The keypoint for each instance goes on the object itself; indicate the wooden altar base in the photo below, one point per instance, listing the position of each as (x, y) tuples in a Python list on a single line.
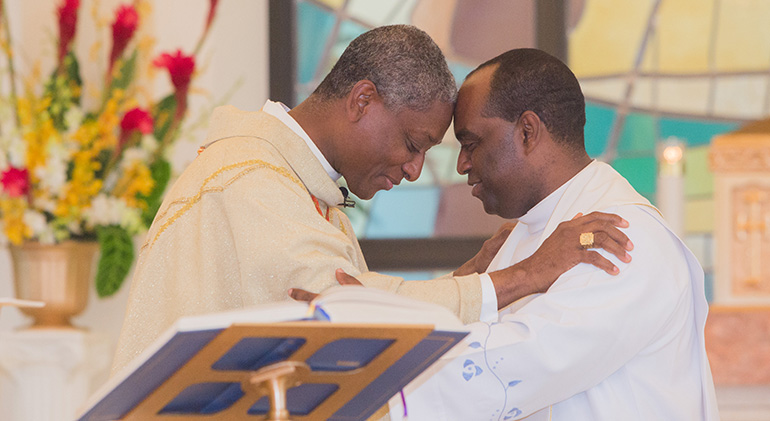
[(738, 345)]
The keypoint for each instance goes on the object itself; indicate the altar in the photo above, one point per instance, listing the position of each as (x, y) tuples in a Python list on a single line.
[(47, 374), (740, 161)]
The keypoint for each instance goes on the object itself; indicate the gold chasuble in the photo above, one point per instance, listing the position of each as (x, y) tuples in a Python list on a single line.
[(246, 221)]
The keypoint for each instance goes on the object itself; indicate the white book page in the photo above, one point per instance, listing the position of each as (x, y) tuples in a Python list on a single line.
[(358, 304)]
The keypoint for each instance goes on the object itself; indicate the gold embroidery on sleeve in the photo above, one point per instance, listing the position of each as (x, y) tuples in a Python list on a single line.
[(188, 202)]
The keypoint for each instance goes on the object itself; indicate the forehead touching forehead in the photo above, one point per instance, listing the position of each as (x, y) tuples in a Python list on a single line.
[(477, 84), (472, 98), (427, 126)]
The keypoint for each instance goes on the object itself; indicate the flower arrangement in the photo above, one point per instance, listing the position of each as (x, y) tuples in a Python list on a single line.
[(71, 173)]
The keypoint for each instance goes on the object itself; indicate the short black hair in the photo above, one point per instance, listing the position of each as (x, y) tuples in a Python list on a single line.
[(407, 67), (531, 79)]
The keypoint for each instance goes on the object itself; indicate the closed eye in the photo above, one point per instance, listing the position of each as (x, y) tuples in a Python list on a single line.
[(410, 147), (468, 140), (468, 146)]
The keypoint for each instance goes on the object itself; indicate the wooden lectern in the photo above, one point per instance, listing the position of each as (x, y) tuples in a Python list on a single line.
[(291, 370)]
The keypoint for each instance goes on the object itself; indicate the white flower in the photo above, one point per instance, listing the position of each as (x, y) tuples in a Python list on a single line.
[(149, 144), (132, 155), (17, 152), (54, 175), (72, 119), (103, 211), (74, 228), (131, 220), (106, 210), (44, 203), (36, 221)]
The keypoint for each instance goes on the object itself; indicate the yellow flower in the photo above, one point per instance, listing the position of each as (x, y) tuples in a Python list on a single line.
[(13, 219), (82, 187), (136, 179)]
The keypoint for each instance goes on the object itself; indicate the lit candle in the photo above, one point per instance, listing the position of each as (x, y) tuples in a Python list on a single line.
[(670, 189)]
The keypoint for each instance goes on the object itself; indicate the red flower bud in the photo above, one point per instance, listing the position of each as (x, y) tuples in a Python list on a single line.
[(137, 119), (180, 68), (126, 21), (68, 19), (133, 120), (15, 181)]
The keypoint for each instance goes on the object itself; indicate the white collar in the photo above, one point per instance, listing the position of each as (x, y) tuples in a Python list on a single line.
[(280, 111)]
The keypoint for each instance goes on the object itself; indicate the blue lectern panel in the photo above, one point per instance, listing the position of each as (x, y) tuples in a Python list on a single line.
[(347, 354), (377, 393), (204, 398), (251, 354), (300, 400)]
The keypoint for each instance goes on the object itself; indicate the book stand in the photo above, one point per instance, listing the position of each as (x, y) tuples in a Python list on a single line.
[(302, 370), (273, 381)]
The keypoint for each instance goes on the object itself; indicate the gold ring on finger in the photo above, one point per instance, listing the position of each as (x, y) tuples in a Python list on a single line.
[(587, 240)]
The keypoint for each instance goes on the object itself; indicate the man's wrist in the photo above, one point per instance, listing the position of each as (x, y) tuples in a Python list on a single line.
[(512, 283), (467, 268)]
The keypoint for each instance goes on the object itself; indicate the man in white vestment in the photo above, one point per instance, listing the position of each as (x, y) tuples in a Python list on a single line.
[(593, 346), (257, 212)]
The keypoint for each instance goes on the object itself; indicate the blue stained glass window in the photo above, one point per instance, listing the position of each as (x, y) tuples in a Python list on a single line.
[(696, 132), (641, 172), (459, 71), (599, 120), (313, 27), (405, 212), (638, 134)]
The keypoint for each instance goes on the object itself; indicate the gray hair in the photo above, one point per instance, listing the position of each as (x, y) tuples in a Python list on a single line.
[(403, 62)]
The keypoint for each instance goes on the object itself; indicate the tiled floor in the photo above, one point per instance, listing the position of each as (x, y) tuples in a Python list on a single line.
[(744, 403)]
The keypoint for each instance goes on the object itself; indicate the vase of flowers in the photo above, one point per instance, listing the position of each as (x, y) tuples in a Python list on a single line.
[(73, 175)]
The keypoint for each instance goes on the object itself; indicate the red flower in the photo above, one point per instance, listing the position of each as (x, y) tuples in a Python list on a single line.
[(15, 181), (126, 21), (133, 120), (180, 68), (68, 19), (137, 119)]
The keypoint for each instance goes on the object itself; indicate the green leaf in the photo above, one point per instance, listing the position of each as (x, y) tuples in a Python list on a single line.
[(64, 90), (161, 174), (127, 69), (117, 255), (102, 158), (72, 69), (163, 116)]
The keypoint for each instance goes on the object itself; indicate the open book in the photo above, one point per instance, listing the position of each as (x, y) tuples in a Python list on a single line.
[(362, 345)]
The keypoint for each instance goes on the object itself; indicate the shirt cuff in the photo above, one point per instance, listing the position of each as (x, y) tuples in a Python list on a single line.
[(488, 299)]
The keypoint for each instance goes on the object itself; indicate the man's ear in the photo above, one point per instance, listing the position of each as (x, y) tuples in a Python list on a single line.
[(531, 129), (361, 96)]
